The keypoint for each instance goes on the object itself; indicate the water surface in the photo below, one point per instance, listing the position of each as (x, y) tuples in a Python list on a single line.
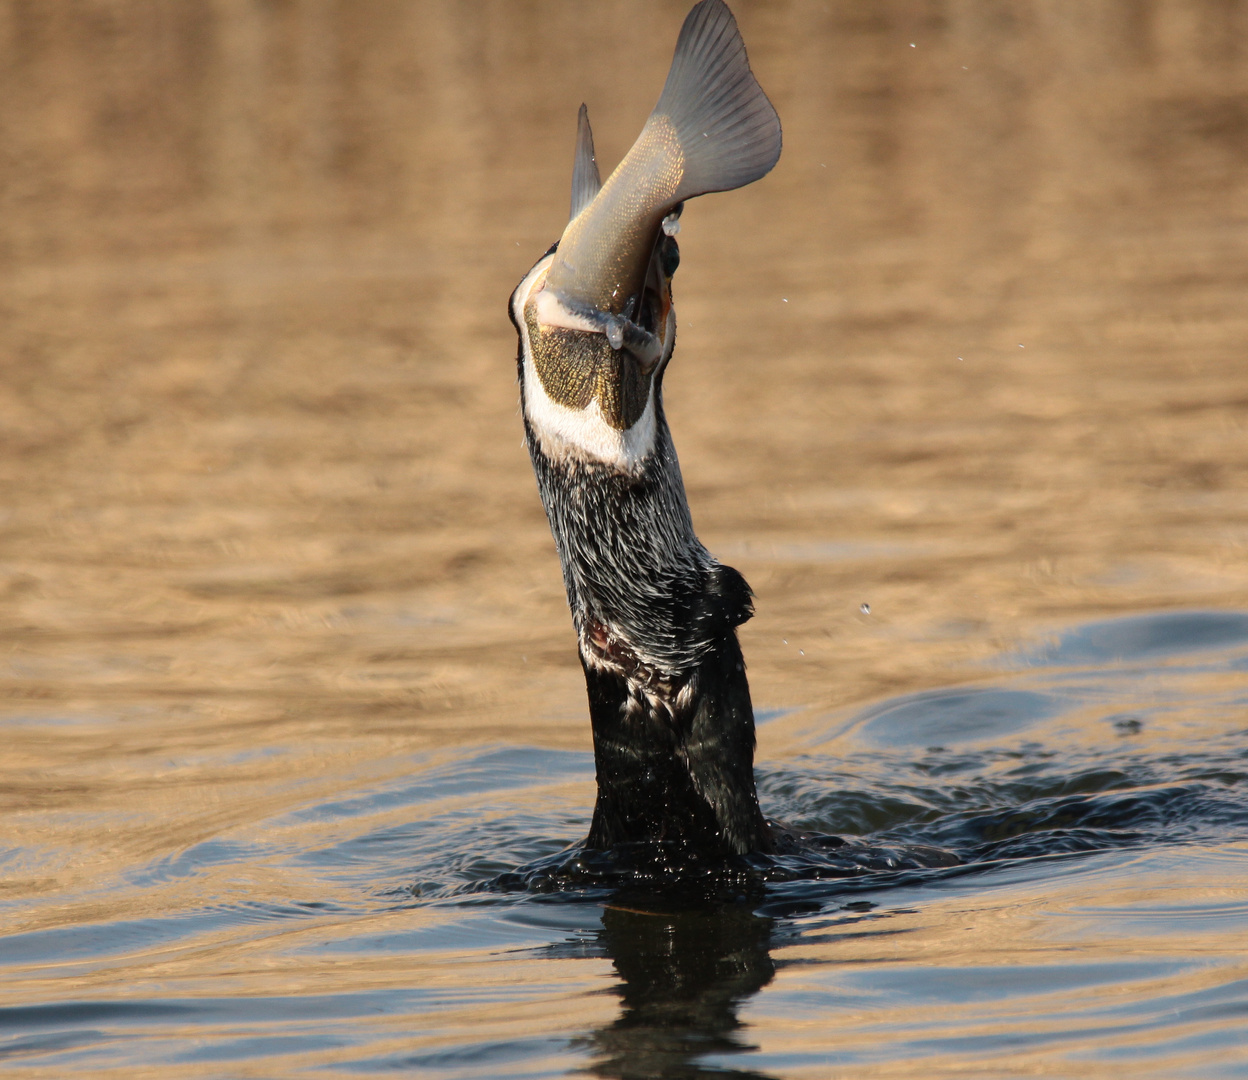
[(287, 674)]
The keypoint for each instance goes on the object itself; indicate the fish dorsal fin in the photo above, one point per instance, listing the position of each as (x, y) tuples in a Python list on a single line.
[(586, 183), (728, 131)]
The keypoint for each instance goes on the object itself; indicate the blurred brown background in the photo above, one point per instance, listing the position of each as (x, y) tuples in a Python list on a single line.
[(974, 354)]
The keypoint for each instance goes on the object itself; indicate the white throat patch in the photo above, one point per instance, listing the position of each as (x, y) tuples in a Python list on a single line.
[(581, 434)]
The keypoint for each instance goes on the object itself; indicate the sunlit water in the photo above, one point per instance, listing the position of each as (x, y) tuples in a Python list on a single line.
[(1099, 798), (292, 722)]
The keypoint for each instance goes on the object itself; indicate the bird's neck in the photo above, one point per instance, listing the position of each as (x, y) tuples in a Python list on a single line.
[(656, 619)]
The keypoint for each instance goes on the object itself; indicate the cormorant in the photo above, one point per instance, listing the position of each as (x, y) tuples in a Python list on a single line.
[(655, 613)]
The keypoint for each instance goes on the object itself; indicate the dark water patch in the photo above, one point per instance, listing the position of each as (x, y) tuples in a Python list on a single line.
[(1170, 800), (69, 1013), (225, 1028), (139, 1011), (492, 769), (1026, 813), (650, 872), (511, 1054), (116, 937), (94, 941), (1172, 814), (1144, 638), (984, 984), (465, 927), (941, 717), (195, 860), (259, 1046), (52, 1043)]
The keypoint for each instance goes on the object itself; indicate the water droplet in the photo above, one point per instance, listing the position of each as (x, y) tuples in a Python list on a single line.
[(785, 299), (785, 640), (865, 608), (671, 225), (801, 652), (912, 44), (615, 334)]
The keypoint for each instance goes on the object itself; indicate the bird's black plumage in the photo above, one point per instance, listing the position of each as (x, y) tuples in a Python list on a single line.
[(656, 616)]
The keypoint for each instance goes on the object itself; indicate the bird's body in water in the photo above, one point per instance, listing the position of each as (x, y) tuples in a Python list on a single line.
[(655, 613)]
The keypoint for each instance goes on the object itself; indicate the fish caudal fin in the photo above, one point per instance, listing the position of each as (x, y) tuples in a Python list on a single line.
[(728, 131), (586, 182)]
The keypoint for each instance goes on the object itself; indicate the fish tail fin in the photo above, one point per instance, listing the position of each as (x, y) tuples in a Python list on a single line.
[(729, 132), (586, 182)]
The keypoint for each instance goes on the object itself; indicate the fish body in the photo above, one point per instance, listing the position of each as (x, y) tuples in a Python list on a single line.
[(603, 254), (713, 129)]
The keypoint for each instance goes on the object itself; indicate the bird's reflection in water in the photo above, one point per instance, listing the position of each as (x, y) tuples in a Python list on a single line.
[(683, 975)]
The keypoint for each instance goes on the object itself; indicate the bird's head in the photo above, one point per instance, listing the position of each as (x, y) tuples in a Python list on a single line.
[(591, 385), (595, 314)]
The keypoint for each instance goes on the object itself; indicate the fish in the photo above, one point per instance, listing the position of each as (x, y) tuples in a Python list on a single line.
[(607, 286)]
